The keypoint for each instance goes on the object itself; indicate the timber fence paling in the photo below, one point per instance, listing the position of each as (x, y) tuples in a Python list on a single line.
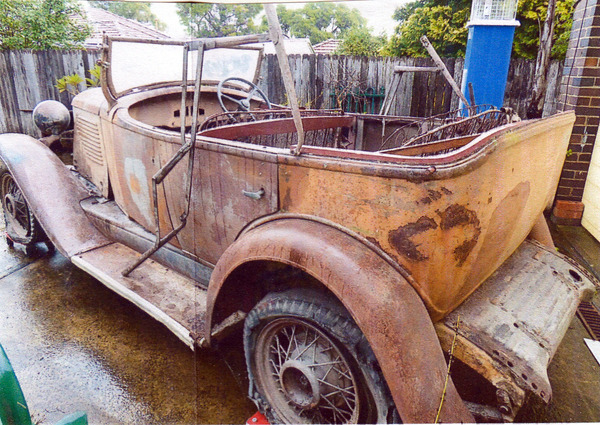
[(30, 77)]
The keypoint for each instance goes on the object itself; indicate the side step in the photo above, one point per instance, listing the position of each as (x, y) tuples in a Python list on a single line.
[(172, 299)]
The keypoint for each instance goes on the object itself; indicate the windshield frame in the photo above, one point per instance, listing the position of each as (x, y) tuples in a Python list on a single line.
[(107, 64)]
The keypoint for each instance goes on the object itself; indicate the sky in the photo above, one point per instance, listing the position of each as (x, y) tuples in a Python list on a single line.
[(377, 12)]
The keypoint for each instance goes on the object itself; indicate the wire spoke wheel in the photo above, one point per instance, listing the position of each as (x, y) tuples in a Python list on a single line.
[(15, 207), (21, 225), (308, 362), (307, 376)]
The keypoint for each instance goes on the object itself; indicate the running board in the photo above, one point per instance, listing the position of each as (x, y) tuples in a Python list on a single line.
[(167, 296)]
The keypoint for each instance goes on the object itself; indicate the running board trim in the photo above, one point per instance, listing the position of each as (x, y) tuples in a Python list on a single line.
[(179, 330)]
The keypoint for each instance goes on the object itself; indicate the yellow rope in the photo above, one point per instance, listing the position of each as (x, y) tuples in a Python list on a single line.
[(439, 412)]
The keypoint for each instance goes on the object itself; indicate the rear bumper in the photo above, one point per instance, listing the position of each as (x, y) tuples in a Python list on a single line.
[(510, 328)]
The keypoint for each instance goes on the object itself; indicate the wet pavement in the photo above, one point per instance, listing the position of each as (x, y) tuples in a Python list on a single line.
[(75, 345)]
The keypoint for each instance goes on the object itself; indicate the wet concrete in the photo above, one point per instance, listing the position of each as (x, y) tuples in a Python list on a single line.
[(75, 345)]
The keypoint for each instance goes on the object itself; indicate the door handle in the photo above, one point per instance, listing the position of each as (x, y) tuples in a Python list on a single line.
[(254, 195)]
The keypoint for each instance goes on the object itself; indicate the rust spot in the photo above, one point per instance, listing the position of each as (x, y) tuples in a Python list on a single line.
[(374, 242), (287, 199), (462, 251), (490, 200), (400, 238), (134, 184), (296, 256), (432, 195), (446, 191), (458, 215)]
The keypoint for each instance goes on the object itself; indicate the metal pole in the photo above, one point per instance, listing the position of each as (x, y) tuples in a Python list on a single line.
[(438, 61), (286, 72)]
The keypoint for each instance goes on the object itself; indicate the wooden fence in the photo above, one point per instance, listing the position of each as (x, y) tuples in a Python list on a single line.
[(322, 81)]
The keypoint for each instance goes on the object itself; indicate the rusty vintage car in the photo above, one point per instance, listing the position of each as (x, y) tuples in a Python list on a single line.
[(356, 262)]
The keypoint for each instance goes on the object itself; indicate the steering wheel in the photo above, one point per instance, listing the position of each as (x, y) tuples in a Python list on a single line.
[(243, 104)]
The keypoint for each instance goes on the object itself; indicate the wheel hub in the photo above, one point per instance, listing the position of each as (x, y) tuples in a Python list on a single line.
[(305, 376), (299, 384)]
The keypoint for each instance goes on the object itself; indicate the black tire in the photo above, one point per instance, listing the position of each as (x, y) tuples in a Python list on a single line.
[(329, 374), (21, 225)]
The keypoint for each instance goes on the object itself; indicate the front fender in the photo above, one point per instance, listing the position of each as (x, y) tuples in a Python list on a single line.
[(384, 305), (51, 192)]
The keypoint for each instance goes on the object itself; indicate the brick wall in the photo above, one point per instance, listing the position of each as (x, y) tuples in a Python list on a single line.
[(580, 91)]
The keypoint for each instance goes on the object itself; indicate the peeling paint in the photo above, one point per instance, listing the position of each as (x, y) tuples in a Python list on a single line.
[(400, 238), (458, 215)]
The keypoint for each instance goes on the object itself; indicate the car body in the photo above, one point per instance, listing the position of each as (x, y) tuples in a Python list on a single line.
[(382, 254)]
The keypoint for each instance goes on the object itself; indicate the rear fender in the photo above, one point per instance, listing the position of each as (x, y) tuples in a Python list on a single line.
[(382, 302), (52, 193)]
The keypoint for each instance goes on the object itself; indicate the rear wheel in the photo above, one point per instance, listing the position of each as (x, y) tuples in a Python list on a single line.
[(309, 362), (21, 225)]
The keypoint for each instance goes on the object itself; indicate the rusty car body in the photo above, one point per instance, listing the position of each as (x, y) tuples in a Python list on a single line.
[(355, 263)]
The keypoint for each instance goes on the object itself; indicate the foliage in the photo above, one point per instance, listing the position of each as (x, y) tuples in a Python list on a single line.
[(443, 21), (95, 75), (359, 41), (319, 21), (40, 24), (140, 12), (444, 27), (70, 83), (532, 14), (218, 20)]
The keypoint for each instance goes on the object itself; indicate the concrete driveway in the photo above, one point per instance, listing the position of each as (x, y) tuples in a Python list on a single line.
[(77, 346)]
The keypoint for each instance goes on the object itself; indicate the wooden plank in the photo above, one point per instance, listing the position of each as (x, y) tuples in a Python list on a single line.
[(552, 92), (459, 66), (311, 62), (8, 99), (35, 73), (320, 99)]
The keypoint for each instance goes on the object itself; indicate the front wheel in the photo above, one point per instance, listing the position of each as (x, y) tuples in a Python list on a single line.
[(21, 225), (309, 362)]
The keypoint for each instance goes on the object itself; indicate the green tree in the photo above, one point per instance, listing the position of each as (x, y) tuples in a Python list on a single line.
[(443, 21), (531, 14), (140, 12), (359, 41), (218, 20), (40, 24), (319, 21), (443, 25)]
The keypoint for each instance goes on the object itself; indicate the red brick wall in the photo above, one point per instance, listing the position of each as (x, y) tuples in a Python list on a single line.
[(580, 91)]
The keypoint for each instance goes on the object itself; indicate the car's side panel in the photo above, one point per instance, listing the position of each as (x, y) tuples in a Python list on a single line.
[(229, 190), (452, 229), (384, 305)]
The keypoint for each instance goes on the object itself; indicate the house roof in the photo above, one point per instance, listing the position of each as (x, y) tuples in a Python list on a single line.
[(114, 25), (327, 47)]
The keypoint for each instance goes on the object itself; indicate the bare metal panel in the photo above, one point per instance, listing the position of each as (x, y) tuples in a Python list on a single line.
[(521, 313)]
